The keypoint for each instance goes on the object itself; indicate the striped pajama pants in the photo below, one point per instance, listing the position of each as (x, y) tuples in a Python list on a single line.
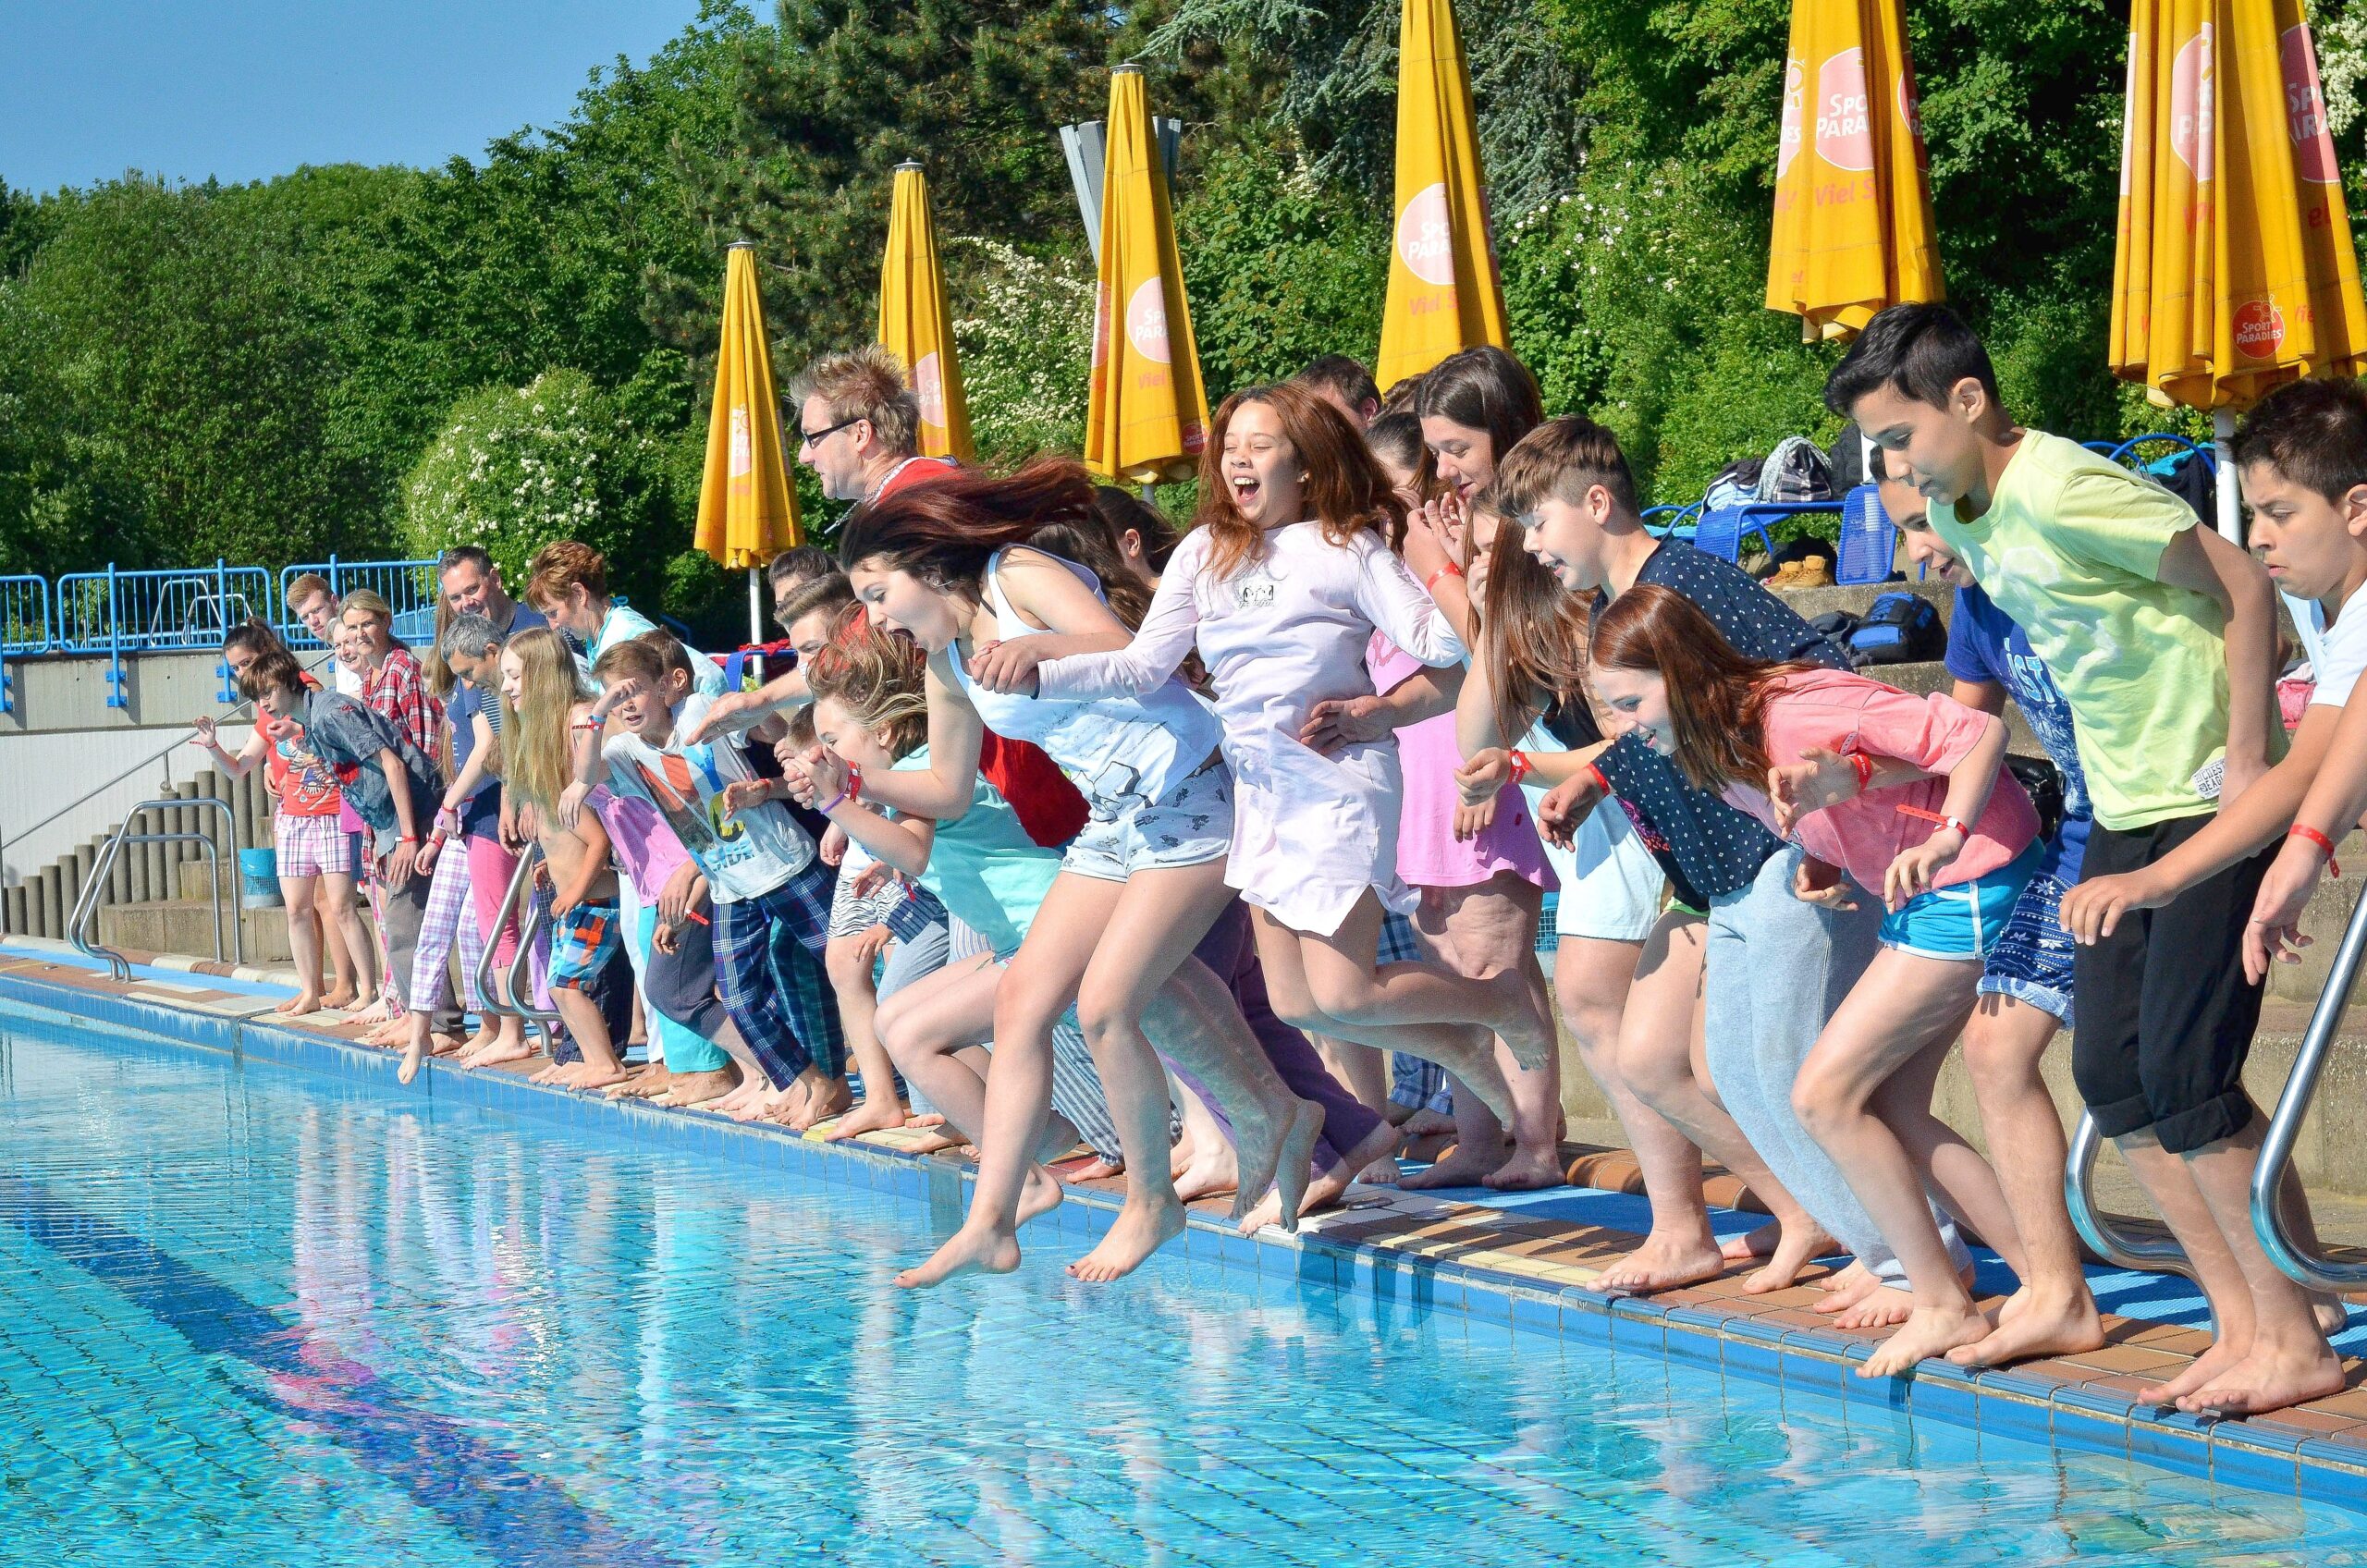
[(1076, 1083), (448, 919)]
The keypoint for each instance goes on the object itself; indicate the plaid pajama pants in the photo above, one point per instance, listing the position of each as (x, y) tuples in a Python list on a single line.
[(768, 967), (448, 918)]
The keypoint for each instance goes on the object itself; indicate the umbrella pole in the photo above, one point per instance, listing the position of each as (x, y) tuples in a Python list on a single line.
[(756, 611), (2231, 506)]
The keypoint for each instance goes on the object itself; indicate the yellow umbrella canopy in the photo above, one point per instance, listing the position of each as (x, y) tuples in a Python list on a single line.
[(1444, 294), (1149, 416), (2235, 269), (917, 325), (747, 511), (1853, 199)]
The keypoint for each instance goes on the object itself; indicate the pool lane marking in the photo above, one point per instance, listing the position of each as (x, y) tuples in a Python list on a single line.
[(485, 1494)]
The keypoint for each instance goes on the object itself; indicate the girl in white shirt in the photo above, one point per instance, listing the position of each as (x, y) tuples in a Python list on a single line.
[(946, 563), (1282, 586)]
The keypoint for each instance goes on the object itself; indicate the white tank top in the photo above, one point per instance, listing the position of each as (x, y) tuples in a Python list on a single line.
[(1119, 751)]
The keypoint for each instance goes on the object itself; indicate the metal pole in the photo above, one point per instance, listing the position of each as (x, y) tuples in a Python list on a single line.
[(2286, 1250), (2231, 507)]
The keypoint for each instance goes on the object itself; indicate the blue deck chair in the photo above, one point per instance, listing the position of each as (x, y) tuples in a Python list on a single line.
[(1868, 539), (1721, 532)]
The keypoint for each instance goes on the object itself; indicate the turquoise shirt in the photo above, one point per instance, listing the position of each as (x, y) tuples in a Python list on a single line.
[(984, 868)]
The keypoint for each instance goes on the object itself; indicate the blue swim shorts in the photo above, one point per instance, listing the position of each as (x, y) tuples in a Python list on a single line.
[(2032, 962), (1966, 921)]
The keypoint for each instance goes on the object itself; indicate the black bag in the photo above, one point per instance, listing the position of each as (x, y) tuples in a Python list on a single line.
[(1899, 629), (1835, 625), (2191, 480), (2043, 782), (1846, 459)]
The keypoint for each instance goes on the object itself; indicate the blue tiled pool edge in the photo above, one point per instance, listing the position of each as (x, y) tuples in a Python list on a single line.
[(2065, 1416)]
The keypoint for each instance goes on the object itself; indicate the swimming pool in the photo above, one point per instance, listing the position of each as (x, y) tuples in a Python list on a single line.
[(251, 1315)]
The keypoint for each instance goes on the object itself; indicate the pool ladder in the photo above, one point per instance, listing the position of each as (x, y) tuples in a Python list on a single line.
[(517, 982), (82, 928), (2295, 1256)]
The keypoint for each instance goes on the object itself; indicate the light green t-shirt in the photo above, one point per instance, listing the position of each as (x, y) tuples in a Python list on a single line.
[(984, 868), (2072, 548)]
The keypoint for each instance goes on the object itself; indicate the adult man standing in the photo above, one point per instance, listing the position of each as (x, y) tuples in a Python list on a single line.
[(858, 424), (313, 602)]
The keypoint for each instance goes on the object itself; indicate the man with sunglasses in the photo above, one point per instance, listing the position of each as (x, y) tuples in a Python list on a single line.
[(858, 424)]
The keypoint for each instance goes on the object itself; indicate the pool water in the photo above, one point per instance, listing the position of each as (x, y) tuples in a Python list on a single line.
[(250, 1316)]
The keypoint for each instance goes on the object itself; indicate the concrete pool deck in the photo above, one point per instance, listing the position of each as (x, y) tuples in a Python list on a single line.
[(1525, 1260)]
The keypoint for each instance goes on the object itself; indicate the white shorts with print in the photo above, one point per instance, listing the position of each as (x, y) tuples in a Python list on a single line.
[(1191, 825)]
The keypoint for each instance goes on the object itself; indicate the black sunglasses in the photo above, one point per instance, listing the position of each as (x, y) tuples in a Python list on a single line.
[(815, 438)]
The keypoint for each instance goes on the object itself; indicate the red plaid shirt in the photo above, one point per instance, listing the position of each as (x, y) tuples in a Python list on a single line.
[(395, 691)]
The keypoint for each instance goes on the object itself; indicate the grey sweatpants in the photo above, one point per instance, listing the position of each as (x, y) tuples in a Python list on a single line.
[(1775, 968)]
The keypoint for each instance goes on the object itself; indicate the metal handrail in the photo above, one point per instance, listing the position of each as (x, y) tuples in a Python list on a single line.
[(2290, 1254), (2116, 1247), (86, 906), (516, 983)]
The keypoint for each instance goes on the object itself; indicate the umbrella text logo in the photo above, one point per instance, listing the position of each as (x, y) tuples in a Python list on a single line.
[(2305, 109), (928, 388), (1426, 236), (743, 456), (2259, 329), (1788, 147), (2193, 108), (1844, 132), (1147, 321)]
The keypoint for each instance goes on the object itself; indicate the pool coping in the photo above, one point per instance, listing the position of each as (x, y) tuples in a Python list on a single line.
[(1384, 1251)]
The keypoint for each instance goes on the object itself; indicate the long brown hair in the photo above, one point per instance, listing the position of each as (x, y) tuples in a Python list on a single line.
[(1717, 698), (535, 738), (944, 531), (1483, 389), (1345, 489), (1532, 632), (1094, 547)]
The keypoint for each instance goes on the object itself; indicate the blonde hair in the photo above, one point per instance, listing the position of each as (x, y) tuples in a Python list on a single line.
[(868, 384), (878, 678), (538, 760)]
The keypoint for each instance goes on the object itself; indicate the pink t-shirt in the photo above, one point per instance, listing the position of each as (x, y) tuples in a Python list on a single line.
[(1428, 854), (1849, 713), (642, 840)]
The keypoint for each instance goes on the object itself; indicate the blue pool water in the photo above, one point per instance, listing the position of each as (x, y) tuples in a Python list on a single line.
[(253, 1317)]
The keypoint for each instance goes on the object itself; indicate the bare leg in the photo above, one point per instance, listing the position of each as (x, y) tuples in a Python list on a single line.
[(301, 893), (583, 1021), (850, 976), (2053, 1313), (341, 910), (1364, 1070), (1209, 1167), (1893, 1013)]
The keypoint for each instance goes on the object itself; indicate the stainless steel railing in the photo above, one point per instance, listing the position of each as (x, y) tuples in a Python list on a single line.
[(2116, 1246), (517, 983), (81, 926), (2288, 1251)]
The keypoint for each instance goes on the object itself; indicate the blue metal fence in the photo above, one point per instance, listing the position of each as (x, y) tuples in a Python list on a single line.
[(409, 586), (115, 612)]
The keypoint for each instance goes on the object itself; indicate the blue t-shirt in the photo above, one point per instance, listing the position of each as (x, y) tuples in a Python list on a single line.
[(1985, 644), (1706, 846), (481, 813)]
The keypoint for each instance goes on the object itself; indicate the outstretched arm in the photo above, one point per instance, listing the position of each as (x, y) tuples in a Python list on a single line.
[(1158, 647)]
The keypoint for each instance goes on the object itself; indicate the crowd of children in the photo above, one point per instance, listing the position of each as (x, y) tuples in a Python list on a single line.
[(1223, 855)]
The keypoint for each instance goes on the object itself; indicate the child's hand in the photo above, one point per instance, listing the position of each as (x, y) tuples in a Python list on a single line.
[(742, 793), (834, 846), (1346, 721), (1817, 882), (1910, 875), (1483, 777), (2091, 909), (824, 774), (1470, 821), (674, 898), (665, 938), (714, 722), (2273, 934), (562, 902), (570, 803), (1819, 779), (1007, 666), (871, 944), (506, 828), (427, 853), (204, 738), (619, 692), (396, 871), (1565, 807), (871, 878)]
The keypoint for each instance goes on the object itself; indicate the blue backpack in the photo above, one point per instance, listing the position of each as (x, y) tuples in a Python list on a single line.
[(1898, 628)]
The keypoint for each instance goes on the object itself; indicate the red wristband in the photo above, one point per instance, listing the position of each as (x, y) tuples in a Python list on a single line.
[(1863, 765), (1430, 584), (1600, 782), (2299, 830), (1520, 765)]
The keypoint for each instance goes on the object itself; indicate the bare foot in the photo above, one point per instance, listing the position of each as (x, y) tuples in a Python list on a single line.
[(937, 1142), (518, 1049), (485, 1036), (2270, 1380), (982, 1250), (1140, 1229), (1293, 1152), (413, 1056), (2223, 1357), (1802, 1242), (1929, 1331), (1666, 1260), (1426, 1122), (2331, 1314), (2028, 1325), (1527, 1172), (927, 1119), (880, 1113), (299, 1005), (1039, 1195), (445, 1045), (1461, 1168), (1097, 1169), (1760, 1242), (344, 997), (1383, 1172), (829, 1097), (1880, 1307), (1330, 1183), (395, 1031), (650, 1081), (700, 1089), (1211, 1168), (780, 1104), (1847, 1289)]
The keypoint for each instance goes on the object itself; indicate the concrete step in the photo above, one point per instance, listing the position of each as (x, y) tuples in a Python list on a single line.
[(187, 927)]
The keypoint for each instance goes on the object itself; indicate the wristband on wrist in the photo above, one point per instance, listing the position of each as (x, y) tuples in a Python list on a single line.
[(854, 782), (835, 802), (1863, 765), (1430, 584), (1520, 766), (1599, 781), (2311, 835)]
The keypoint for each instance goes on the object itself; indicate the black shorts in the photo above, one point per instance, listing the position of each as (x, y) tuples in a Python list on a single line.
[(2165, 1014)]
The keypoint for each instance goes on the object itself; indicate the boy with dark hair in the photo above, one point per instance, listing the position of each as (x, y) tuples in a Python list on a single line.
[(1346, 385), (2162, 638)]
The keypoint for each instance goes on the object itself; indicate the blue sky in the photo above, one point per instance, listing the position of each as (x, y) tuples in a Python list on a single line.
[(246, 89)]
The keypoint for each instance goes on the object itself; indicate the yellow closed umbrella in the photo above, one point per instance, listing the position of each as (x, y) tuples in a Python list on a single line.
[(747, 511), (1149, 416), (917, 325), (1853, 199), (1444, 294), (2234, 269)]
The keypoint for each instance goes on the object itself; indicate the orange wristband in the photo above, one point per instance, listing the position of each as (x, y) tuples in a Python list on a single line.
[(2310, 834), (1430, 584)]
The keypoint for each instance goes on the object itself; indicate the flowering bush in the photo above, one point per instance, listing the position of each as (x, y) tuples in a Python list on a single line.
[(515, 469), (1026, 349)]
